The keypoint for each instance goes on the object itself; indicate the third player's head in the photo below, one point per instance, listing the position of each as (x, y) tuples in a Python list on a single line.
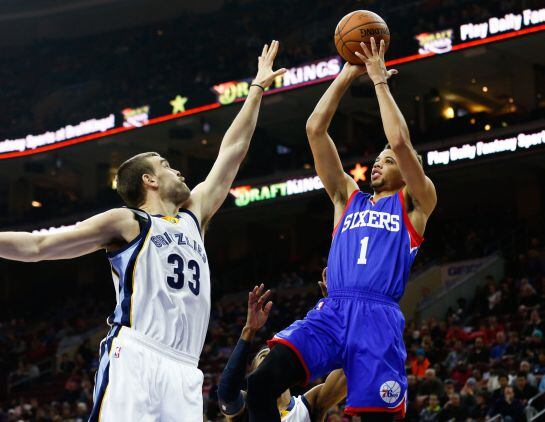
[(385, 174), (149, 175)]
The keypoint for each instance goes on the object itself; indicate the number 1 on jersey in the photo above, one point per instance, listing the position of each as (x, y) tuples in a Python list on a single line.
[(363, 251)]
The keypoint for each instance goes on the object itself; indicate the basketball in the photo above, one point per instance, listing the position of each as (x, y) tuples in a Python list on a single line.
[(356, 27)]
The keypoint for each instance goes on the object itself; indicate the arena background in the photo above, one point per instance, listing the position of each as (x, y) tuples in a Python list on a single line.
[(87, 84)]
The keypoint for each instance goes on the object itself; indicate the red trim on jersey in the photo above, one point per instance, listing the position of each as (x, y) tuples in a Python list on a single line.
[(272, 342), (352, 195), (357, 411), (416, 238)]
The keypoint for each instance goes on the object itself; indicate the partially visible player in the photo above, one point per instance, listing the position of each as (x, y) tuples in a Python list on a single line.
[(148, 361), (359, 326), (311, 406)]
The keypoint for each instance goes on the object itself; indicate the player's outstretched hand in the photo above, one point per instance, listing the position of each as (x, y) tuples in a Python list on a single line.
[(265, 74), (323, 283), (258, 308), (374, 62)]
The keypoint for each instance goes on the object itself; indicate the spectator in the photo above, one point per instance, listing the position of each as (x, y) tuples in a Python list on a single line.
[(503, 380), (523, 390), (420, 364), (479, 353), (453, 410), (431, 412), (480, 409), (456, 355), (500, 348), (508, 406), (431, 384)]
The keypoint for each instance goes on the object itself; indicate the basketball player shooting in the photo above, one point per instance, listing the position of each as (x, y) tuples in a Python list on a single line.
[(148, 361), (359, 326)]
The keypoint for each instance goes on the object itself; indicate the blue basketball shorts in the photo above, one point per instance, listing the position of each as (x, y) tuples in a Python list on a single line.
[(362, 333)]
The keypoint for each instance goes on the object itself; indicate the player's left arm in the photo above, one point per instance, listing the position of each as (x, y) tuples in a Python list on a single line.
[(324, 396), (208, 196), (419, 187)]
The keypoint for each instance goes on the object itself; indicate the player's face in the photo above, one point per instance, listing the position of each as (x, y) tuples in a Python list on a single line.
[(171, 182), (385, 174)]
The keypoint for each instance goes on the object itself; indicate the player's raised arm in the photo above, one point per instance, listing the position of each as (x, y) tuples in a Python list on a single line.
[(208, 196), (95, 233), (324, 396), (420, 187), (328, 164), (231, 382)]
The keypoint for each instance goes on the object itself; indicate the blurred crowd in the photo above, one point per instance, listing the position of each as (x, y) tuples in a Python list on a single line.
[(94, 76), (486, 357)]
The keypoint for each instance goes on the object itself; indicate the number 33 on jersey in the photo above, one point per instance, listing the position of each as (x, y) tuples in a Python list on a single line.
[(162, 282)]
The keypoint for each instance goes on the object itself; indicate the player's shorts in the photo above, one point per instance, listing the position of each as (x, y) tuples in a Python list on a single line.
[(362, 333), (139, 379)]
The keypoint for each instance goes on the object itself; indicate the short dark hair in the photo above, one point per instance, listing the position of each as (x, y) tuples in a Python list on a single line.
[(418, 156), (129, 178)]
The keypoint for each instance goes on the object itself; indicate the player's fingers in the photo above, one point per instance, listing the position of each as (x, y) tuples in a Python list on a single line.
[(279, 72), (392, 72), (373, 46), (265, 296), (381, 49), (265, 49), (365, 49), (270, 53), (267, 308), (324, 275), (362, 57)]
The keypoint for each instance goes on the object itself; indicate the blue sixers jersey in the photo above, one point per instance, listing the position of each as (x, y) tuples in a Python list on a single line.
[(373, 247)]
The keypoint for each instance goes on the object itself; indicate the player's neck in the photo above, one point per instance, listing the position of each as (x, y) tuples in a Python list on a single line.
[(158, 207), (382, 194), (284, 400)]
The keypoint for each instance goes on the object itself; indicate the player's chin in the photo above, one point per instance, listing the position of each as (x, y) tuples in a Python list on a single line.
[(377, 183)]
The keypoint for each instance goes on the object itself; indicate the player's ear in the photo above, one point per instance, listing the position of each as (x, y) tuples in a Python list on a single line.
[(149, 180)]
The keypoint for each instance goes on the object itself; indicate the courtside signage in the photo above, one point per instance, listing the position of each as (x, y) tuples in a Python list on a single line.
[(31, 142), (318, 71), (245, 195), (467, 35), (498, 25), (471, 151)]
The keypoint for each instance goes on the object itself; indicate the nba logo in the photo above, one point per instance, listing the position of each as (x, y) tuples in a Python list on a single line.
[(117, 351), (390, 391)]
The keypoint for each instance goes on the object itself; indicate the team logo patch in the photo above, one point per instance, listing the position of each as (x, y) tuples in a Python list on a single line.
[(117, 351), (390, 391)]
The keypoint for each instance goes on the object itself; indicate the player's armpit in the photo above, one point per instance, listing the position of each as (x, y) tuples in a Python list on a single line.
[(420, 188), (324, 396), (88, 236)]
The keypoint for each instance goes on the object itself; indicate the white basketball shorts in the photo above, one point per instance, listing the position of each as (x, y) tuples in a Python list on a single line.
[(139, 379)]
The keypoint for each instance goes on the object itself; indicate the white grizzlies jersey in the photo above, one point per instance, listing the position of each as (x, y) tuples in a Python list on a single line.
[(297, 411), (162, 282)]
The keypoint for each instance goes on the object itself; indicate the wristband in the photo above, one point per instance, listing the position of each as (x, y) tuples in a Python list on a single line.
[(259, 86), (378, 83)]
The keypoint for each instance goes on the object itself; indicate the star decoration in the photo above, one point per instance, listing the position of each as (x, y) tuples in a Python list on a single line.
[(178, 104), (358, 172)]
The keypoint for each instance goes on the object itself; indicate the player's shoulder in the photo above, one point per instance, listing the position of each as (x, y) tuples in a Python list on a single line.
[(115, 218)]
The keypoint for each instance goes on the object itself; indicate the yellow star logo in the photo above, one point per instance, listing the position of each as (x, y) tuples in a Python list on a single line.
[(178, 104), (358, 172)]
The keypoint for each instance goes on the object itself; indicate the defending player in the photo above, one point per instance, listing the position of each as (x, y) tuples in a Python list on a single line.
[(148, 361), (359, 327), (311, 406)]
